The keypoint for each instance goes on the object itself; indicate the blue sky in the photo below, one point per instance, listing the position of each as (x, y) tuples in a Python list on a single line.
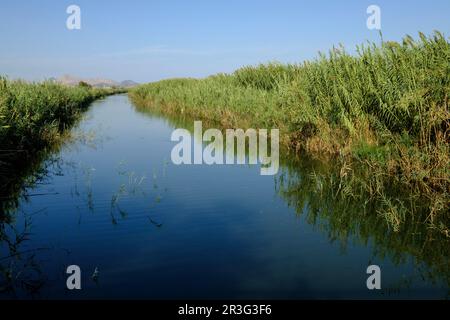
[(151, 40)]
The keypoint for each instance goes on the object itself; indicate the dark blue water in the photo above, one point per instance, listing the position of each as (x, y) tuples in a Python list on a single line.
[(114, 201)]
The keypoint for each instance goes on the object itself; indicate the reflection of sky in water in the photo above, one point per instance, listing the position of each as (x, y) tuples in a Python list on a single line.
[(155, 230)]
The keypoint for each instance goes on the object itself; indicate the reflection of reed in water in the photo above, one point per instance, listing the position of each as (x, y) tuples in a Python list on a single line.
[(20, 272), (324, 196), (347, 203), (134, 185)]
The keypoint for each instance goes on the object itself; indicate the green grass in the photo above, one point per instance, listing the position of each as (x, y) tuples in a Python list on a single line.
[(384, 108), (33, 118), (32, 115)]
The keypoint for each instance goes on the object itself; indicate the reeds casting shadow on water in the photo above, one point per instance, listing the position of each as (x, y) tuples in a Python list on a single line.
[(384, 109)]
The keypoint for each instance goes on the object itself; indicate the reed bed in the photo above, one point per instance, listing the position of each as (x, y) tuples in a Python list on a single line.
[(33, 118), (32, 115), (383, 110)]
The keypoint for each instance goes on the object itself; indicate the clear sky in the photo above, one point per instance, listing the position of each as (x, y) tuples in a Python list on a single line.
[(151, 40)]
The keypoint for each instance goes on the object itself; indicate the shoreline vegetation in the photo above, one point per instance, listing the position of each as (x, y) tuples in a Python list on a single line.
[(380, 115), (33, 119), (309, 185)]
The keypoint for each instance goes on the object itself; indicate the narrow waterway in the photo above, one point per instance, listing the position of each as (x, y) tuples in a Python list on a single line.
[(113, 201)]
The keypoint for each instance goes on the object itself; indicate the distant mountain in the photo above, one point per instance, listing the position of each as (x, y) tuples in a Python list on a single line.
[(128, 83), (70, 80)]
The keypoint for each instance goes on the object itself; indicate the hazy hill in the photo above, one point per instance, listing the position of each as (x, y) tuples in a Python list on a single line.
[(128, 83), (95, 82)]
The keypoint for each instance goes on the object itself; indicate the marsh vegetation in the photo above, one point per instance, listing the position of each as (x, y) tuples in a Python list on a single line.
[(34, 118), (364, 165), (111, 202), (381, 115)]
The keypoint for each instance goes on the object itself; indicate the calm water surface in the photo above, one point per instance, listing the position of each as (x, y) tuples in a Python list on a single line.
[(114, 201)]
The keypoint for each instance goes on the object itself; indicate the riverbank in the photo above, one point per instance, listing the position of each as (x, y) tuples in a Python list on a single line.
[(116, 197), (383, 111), (34, 117)]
